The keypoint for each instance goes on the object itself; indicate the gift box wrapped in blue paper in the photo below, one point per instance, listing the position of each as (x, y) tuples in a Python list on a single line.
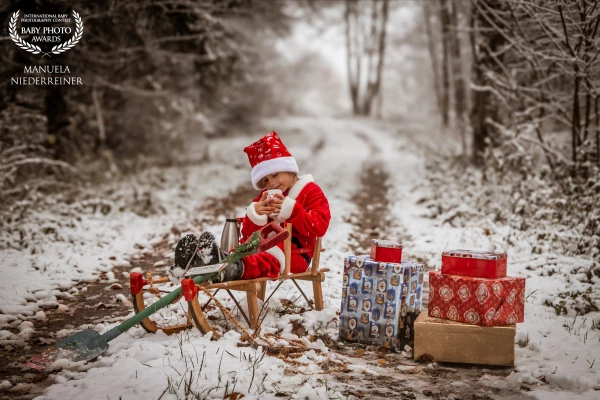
[(380, 301)]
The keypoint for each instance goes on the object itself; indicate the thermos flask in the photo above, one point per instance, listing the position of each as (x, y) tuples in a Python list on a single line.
[(230, 238)]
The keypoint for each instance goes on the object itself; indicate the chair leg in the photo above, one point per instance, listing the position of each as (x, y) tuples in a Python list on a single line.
[(263, 290), (252, 299), (318, 294)]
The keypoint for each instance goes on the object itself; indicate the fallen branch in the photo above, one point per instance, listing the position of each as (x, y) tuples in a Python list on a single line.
[(39, 160)]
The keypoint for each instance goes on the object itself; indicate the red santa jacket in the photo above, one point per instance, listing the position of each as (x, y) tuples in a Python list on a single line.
[(305, 207)]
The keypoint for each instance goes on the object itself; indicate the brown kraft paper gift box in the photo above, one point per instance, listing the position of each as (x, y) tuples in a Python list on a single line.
[(450, 341)]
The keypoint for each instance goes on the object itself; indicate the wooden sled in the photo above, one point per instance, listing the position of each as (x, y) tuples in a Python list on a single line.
[(254, 288)]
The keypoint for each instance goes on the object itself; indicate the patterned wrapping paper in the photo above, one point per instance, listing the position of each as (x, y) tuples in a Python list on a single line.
[(380, 301), (477, 301)]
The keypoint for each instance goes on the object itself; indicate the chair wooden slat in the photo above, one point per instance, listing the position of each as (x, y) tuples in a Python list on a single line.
[(316, 257), (287, 251)]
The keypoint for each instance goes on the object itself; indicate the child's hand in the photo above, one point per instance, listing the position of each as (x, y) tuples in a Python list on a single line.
[(276, 202), (263, 206)]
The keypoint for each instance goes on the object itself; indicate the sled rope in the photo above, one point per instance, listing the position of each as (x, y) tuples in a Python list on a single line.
[(229, 315), (282, 352), (152, 289)]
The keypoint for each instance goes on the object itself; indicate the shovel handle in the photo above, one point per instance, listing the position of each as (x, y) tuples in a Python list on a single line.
[(268, 242)]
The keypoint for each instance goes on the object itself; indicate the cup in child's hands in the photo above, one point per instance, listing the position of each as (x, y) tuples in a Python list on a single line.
[(272, 192), (271, 196)]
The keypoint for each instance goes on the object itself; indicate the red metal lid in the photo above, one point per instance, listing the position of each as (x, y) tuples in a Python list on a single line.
[(386, 243), (484, 255)]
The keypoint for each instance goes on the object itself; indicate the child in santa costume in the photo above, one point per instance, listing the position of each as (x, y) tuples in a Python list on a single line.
[(303, 204)]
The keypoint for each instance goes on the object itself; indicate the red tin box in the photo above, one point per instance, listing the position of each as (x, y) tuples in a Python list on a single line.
[(386, 251), (480, 264), (477, 301)]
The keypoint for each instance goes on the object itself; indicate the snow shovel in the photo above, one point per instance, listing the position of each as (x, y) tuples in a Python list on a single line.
[(89, 344)]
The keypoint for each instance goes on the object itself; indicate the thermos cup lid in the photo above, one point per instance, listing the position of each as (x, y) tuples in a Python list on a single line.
[(231, 220)]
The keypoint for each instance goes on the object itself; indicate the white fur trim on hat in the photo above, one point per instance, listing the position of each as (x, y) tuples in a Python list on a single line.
[(259, 220), (268, 167), (278, 254)]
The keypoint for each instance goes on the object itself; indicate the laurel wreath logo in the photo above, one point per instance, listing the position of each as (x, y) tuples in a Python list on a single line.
[(33, 49), (12, 31), (69, 44)]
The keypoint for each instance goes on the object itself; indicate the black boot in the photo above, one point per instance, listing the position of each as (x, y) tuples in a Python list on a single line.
[(192, 252), (184, 255), (209, 253), (208, 250)]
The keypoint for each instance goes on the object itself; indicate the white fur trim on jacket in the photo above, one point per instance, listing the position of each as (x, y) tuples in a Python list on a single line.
[(298, 186), (259, 220), (286, 209), (290, 201), (278, 254), (268, 167)]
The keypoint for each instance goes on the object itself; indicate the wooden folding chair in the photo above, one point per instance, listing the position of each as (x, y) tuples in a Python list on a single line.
[(313, 274)]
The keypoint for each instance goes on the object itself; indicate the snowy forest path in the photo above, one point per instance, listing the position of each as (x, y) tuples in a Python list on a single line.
[(371, 216)]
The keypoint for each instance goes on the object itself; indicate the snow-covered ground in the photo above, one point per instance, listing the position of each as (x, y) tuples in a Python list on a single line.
[(555, 354)]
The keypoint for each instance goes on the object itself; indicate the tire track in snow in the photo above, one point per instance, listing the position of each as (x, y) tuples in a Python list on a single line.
[(399, 157), (336, 168), (372, 217)]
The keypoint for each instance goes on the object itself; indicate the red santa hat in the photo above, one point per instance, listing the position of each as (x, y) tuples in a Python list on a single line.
[(267, 156)]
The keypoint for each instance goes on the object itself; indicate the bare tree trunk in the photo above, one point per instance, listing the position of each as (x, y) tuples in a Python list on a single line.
[(99, 119), (590, 30), (433, 56), (353, 76), (379, 105), (575, 126), (444, 20), (485, 42), (588, 106), (597, 132), (365, 87), (458, 75), (370, 40), (576, 119), (357, 57), (57, 117), (381, 49)]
